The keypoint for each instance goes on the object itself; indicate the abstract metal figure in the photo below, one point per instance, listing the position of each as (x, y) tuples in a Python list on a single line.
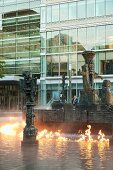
[(89, 67), (89, 95), (30, 132), (106, 94)]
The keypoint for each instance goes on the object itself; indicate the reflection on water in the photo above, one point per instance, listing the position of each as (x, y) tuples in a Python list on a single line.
[(54, 154)]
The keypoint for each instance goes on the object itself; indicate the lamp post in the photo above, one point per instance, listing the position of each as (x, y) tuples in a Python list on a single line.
[(29, 132)]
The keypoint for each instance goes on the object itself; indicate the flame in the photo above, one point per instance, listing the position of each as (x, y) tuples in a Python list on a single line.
[(50, 135), (87, 136), (11, 129), (101, 137), (88, 133)]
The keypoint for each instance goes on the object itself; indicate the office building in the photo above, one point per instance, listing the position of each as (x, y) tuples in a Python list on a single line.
[(19, 47), (65, 29), (68, 27)]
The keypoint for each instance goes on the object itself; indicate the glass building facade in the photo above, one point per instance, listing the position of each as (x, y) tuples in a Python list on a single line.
[(48, 38), (19, 44), (67, 29)]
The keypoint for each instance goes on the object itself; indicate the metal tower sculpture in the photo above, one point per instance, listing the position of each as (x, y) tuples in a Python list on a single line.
[(29, 87), (88, 96)]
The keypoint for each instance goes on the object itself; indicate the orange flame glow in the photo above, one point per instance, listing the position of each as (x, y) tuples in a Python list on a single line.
[(87, 136), (9, 129), (50, 135), (101, 137), (12, 129)]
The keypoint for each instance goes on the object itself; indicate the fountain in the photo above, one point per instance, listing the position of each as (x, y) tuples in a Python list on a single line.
[(93, 108), (30, 132), (77, 153)]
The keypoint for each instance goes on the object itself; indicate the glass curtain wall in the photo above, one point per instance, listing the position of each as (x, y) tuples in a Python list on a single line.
[(19, 35), (74, 41), (63, 46), (78, 10), (19, 46), (71, 43)]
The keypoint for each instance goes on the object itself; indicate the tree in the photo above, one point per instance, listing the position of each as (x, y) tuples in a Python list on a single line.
[(2, 70)]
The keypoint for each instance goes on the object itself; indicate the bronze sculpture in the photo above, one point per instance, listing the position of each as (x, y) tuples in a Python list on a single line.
[(30, 132), (88, 96), (106, 95)]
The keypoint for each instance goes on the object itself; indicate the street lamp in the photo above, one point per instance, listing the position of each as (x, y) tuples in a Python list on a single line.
[(29, 88)]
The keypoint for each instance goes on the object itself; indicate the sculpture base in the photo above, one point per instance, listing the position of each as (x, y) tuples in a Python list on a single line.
[(89, 97), (29, 141)]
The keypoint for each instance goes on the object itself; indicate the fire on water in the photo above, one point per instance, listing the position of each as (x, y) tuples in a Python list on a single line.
[(12, 129), (87, 136), (51, 135)]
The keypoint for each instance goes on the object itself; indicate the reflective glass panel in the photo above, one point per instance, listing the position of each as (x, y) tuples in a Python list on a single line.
[(55, 13), (80, 63), (52, 65), (109, 7), (63, 12), (55, 42), (64, 40), (63, 64), (55, 38), (90, 38), (90, 8), (73, 62), (81, 44), (101, 60), (100, 37), (49, 14), (109, 36), (72, 39), (100, 7), (43, 40), (43, 15), (81, 6), (49, 41), (72, 10), (109, 63), (49, 36)]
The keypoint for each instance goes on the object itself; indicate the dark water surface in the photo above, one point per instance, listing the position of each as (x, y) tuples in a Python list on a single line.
[(54, 154)]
